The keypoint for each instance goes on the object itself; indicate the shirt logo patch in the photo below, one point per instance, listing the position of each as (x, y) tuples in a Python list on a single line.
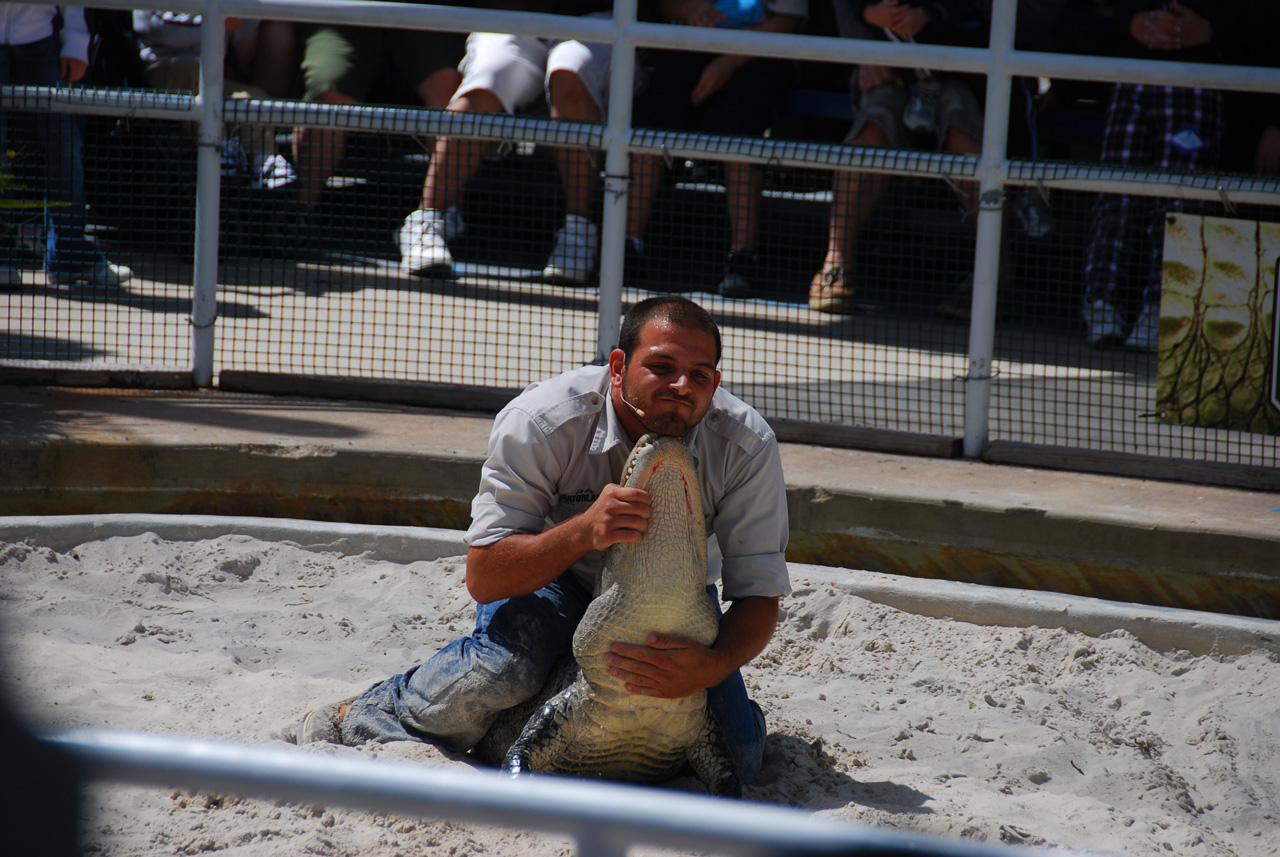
[(574, 499)]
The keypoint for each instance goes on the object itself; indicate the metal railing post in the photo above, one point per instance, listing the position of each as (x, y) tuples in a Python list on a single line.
[(204, 304), (991, 171), (617, 179)]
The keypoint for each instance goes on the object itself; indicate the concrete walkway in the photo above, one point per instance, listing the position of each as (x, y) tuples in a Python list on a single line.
[(93, 452)]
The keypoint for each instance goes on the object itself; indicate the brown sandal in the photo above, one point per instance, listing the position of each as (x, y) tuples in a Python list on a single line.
[(830, 292)]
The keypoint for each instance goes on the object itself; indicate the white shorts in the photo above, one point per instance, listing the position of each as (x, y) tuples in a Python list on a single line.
[(517, 68)]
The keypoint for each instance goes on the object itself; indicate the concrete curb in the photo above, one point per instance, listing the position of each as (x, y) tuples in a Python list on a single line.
[(1163, 628), (397, 544), (1160, 628)]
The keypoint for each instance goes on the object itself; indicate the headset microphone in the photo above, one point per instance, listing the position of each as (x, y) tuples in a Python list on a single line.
[(638, 411)]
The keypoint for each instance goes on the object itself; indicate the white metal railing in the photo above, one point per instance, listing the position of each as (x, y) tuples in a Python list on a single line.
[(603, 819), (1000, 62)]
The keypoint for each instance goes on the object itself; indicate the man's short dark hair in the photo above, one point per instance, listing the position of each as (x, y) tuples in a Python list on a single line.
[(673, 309)]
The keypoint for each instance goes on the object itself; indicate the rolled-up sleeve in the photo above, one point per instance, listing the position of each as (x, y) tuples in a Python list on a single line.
[(752, 528), (517, 483)]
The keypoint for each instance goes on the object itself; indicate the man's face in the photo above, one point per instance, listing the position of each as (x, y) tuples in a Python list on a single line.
[(670, 377)]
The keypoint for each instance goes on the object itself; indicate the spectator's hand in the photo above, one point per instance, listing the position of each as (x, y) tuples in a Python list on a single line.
[(72, 69), (1268, 157), (618, 515), (669, 667), (895, 17), (1170, 30), (714, 76), (697, 13), (871, 76)]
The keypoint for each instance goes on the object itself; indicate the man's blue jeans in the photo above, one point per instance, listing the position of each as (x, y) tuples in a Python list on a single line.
[(451, 699), (57, 140)]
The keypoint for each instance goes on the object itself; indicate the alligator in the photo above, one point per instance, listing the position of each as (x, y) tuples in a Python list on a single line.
[(585, 723)]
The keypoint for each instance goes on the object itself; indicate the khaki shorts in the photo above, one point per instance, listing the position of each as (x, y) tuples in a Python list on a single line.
[(350, 59), (884, 105)]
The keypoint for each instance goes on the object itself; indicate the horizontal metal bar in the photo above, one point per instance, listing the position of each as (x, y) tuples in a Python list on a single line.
[(1108, 178), (792, 46), (497, 127), (142, 103), (1121, 178), (1157, 72), (606, 816)]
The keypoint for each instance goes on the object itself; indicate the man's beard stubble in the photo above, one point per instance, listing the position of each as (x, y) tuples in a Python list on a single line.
[(671, 424)]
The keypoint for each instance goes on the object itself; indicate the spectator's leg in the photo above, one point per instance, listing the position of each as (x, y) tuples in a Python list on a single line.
[(743, 184), (646, 172), (488, 78), (498, 73), (570, 98), (1124, 140), (960, 141), (575, 255), (455, 160), (317, 152), (436, 90), (664, 104), (10, 272), (270, 58), (339, 65), (745, 106), (69, 257), (1189, 139), (853, 197)]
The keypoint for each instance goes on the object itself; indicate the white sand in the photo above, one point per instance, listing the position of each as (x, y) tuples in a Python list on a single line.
[(991, 732)]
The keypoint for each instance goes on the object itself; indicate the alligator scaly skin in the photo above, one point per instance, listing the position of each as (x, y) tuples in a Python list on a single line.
[(595, 727)]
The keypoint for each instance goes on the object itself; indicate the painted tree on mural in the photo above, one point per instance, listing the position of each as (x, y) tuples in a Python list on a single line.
[(1216, 318)]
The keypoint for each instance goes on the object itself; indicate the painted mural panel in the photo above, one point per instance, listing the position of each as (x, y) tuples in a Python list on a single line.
[(1217, 319)]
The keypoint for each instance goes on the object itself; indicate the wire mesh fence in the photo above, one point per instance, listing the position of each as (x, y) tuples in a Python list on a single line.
[(505, 286)]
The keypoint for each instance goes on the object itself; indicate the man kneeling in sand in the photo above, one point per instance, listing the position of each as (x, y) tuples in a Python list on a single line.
[(548, 507)]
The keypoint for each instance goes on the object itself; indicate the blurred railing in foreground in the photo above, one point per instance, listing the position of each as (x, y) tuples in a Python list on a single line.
[(603, 819)]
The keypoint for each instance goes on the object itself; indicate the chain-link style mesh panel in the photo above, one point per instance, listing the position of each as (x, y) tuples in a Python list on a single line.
[(66, 266), (481, 268)]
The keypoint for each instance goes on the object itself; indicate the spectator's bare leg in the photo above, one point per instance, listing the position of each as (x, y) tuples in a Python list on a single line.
[(570, 100), (316, 154), (646, 172), (853, 198), (270, 58), (455, 160), (743, 185), (962, 142), (439, 87)]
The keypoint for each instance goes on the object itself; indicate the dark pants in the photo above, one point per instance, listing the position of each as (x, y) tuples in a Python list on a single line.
[(56, 139)]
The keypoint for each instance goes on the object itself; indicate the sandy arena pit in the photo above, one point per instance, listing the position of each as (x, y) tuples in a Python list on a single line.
[(989, 727)]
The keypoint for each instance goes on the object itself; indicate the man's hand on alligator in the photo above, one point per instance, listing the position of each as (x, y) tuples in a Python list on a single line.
[(669, 667)]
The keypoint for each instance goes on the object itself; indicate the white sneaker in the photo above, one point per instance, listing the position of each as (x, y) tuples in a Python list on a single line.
[(272, 171), (1106, 327), (424, 248), (101, 274), (1145, 335), (573, 260)]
